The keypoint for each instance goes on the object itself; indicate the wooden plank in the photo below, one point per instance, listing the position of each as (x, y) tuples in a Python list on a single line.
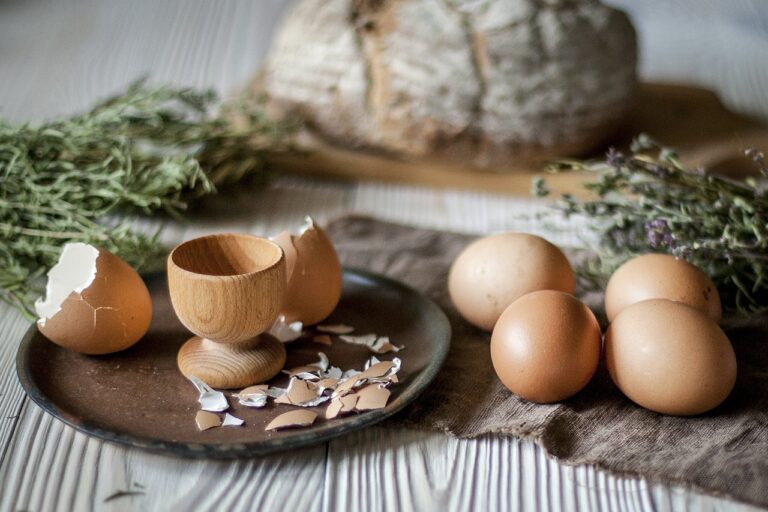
[(12, 328), (689, 119), (57, 57), (52, 467), (403, 470)]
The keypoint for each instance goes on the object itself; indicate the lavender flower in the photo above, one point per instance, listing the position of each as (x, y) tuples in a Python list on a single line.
[(659, 234), (720, 223)]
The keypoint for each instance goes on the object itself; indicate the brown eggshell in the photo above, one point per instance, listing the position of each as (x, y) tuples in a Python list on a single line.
[(494, 271), (661, 276), (670, 358), (111, 314), (546, 346), (313, 275)]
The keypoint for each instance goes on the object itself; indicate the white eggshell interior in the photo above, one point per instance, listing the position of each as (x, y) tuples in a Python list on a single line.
[(74, 272)]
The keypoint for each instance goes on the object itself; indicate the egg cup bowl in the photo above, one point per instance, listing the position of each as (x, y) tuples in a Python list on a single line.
[(228, 289)]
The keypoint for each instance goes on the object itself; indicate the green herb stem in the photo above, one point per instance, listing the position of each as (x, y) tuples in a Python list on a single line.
[(147, 150)]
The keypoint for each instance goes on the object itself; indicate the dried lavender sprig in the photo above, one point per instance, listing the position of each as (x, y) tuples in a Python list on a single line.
[(647, 201)]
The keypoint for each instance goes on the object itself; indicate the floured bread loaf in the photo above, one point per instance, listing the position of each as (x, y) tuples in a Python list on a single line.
[(482, 82)]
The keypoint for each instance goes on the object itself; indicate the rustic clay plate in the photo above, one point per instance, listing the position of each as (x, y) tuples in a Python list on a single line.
[(138, 397)]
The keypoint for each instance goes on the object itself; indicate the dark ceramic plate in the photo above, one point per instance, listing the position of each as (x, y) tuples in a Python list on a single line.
[(138, 397)]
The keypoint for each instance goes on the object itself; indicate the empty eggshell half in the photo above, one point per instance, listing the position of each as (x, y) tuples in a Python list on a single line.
[(95, 302), (313, 273), (661, 276), (494, 271), (669, 357)]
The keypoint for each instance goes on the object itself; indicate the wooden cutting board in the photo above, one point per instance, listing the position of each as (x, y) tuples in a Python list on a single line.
[(689, 119)]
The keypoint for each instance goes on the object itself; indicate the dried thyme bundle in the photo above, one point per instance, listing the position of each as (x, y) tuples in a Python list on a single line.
[(149, 149), (647, 201)]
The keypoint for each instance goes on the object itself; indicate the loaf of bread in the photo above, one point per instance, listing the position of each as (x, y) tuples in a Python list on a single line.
[(482, 82)]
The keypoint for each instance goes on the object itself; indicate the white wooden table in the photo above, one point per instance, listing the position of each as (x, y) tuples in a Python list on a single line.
[(57, 57)]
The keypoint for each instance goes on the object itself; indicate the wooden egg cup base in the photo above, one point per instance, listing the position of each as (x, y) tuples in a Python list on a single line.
[(232, 365)]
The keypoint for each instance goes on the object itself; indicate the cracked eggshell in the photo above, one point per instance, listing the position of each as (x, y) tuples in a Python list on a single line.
[(313, 272), (492, 272), (95, 302)]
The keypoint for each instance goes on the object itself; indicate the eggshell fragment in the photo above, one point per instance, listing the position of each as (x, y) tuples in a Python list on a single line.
[(340, 405), (254, 400), (313, 273), (206, 420), (375, 343), (372, 396), (300, 391), (347, 385), (492, 272), (546, 346), (303, 394), (377, 370), (336, 329), (286, 332), (670, 357), (231, 421), (95, 302), (297, 418), (256, 389), (323, 339), (328, 383), (210, 399), (661, 276)]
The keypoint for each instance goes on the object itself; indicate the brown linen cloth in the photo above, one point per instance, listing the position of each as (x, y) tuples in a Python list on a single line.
[(722, 452)]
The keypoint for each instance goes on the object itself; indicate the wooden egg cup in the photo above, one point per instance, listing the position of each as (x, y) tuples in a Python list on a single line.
[(228, 289)]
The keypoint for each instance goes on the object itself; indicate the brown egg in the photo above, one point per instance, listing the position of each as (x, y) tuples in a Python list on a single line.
[(546, 346), (494, 271), (670, 358), (313, 272), (661, 276), (95, 302)]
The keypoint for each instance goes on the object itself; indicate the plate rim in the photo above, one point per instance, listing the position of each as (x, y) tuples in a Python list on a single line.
[(243, 450)]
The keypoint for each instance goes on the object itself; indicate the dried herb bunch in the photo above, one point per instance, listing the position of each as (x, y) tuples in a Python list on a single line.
[(148, 149), (647, 201)]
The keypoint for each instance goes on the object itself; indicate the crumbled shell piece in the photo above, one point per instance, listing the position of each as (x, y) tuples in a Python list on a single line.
[(232, 421), (348, 402), (300, 391), (346, 386), (303, 371), (258, 389), (323, 339), (377, 370), (372, 396), (283, 399), (323, 362), (341, 405), (336, 329), (253, 400), (206, 420), (375, 343), (333, 372), (293, 419), (210, 399), (333, 409), (256, 396), (327, 383), (384, 381), (286, 332)]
